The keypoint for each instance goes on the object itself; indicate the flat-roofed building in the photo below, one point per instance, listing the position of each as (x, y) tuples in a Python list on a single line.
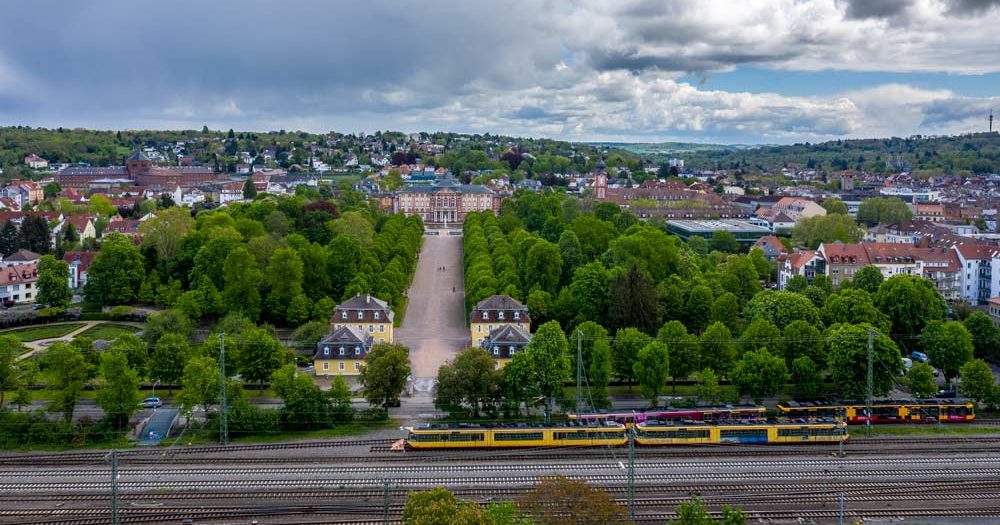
[(746, 234)]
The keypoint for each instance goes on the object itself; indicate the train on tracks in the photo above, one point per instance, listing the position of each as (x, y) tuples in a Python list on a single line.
[(698, 413), (610, 434), (883, 411)]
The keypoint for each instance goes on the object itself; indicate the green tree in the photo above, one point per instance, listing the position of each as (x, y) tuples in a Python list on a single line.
[(854, 306), (723, 241), (307, 336), (585, 335), (651, 368), (199, 384), (53, 282), (759, 374), (166, 364), (164, 231), (563, 501), (718, 351), (868, 278), (116, 273), (135, 350), (242, 279), (35, 235), (438, 506), (708, 386), (726, 310), (306, 407), (819, 229), (796, 283), (571, 253), (299, 310), (600, 371), (9, 238), (259, 355), (249, 190), (833, 205), (633, 301), (802, 339), (848, 348), (594, 235), (977, 381), (693, 512), (118, 394), (166, 322), (949, 346), (807, 377), (284, 275), (10, 371), (590, 289), (781, 308), (67, 372), (384, 374), (684, 350), (920, 380), (355, 225), (470, 382), (548, 355), (543, 267), (878, 210), (762, 334), (698, 310), (627, 343), (985, 335)]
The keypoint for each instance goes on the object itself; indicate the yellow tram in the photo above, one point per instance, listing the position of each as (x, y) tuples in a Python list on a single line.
[(435, 437), (656, 433)]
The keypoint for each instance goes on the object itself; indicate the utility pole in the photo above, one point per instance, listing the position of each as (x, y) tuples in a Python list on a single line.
[(114, 487), (841, 508), (631, 473), (224, 408), (579, 371), (871, 378)]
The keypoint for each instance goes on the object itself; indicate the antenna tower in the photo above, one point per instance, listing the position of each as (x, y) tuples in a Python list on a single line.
[(991, 120)]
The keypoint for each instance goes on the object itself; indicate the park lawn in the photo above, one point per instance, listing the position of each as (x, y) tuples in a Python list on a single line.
[(108, 331), (955, 429), (36, 333), (347, 430)]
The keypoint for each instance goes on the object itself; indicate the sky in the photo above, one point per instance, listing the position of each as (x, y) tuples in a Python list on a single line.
[(714, 71)]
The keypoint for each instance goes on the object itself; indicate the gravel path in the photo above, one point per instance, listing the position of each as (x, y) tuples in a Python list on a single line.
[(434, 326)]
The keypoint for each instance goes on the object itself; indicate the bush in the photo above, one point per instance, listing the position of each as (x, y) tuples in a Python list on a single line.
[(120, 312), (95, 316), (372, 415), (49, 314)]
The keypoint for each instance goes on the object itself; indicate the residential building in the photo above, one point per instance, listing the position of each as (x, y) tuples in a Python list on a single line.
[(503, 342), (21, 257), (83, 225), (23, 193), (771, 246), (445, 201), (18, 283), (977, 279), (79, 264), (230, 192), (342, 352), (807, 263), (495, 312), (365, 315), (993, 308), (929, 212), (843, 260), (35, 162), (942, 266)]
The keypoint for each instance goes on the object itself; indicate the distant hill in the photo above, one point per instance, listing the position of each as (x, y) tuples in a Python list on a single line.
[(668, 148)]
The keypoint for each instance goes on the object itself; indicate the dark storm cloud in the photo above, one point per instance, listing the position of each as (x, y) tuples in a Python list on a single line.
[(634, 60), (861, 9), (971, 7), (948, 111)]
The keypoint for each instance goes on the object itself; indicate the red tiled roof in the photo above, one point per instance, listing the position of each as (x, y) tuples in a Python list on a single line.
[(85, 258), (18, 273), (976, 250)]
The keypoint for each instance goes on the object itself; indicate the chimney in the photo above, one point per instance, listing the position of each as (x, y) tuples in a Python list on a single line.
[(368, 299)]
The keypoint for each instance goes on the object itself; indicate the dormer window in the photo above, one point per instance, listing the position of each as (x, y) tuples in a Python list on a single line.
[(376, 315), (326, 350), (486, 315), (499, 315), (361, 315), (517, 315), (357, 350), (341, 350), (496, 350), (343, 315)]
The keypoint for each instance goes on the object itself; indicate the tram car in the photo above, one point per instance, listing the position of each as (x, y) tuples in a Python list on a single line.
[(662, 433), (520, 435), (884, 411), (702, 413)]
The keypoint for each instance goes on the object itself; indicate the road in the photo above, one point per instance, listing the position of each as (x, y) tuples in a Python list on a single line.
[(434, 326)]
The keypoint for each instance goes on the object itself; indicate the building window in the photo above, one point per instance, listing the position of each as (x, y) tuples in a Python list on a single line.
[(496, 350), (343, 315), (326, 366), (517, 315), (341, 350), (371, 329), (376, 315), (357, 350), (361, 315), (499, 315), (486, 315), (510, 349), (326, 350), (341, 367), (381, 328), (479, 328), (357, 366)]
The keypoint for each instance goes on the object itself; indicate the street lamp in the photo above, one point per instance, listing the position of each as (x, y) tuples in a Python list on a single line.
[(156, 384)]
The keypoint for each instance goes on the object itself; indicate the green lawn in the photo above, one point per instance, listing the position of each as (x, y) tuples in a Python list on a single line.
[(36, 333), (108, 331), (350, 429), (957, 429)]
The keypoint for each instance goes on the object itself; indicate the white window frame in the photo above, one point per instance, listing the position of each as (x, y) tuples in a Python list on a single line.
[(326, 365), (342, 351), (517, 316), (500, 315), (343, 315), (341, 366), (496, 350), (376, 315), (486, 316), (361, 315)]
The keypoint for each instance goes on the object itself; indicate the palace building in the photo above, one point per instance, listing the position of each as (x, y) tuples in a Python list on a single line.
[(501, 325), (357, 324), (445, 201)]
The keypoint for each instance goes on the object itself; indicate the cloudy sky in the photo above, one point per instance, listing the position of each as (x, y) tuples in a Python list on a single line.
[(739, 71)]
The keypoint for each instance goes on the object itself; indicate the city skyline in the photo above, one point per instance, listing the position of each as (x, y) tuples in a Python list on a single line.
[(766, 71)]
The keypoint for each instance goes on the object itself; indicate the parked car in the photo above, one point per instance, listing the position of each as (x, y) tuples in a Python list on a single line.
[(907, 363), (947, 394), (919, 356), (152, 402)]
